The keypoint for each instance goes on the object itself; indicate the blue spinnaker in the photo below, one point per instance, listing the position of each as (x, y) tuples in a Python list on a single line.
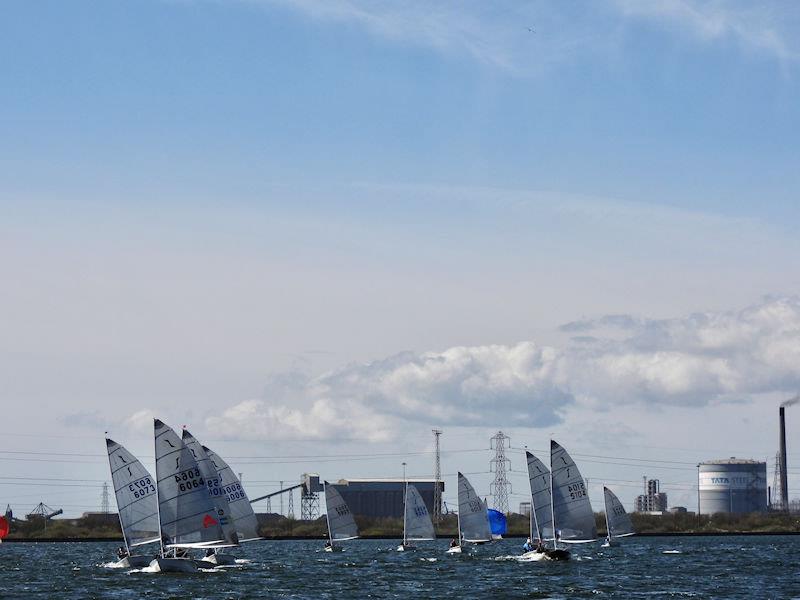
[(497, 521)]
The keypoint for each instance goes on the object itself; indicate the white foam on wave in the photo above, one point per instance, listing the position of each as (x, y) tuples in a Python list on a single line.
[(671, 552), (428, 559), (110, 565)]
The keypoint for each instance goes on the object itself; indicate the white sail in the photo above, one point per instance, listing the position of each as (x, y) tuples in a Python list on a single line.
[(418, 525), (341, 524), (618, 521), (185, 511), (572, 511), (541, 514), (244, 519), (216, 491), (137, 500), (472, 515)]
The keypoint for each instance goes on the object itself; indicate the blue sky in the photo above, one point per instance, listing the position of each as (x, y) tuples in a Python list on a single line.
[(293, 211)]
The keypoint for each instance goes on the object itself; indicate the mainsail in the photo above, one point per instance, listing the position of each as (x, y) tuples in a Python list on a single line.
[(572, 511), (472, 517), (219, 498), (341, 524), (417, 521), (137, 500), (617, 520), (541, 513), (186, 513), (244, 519)]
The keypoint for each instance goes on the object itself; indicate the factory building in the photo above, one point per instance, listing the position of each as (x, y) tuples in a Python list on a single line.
[(653, 501), (732, 485), (383, 497)]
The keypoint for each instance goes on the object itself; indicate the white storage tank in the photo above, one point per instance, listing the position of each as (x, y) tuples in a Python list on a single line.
[(733, 485)]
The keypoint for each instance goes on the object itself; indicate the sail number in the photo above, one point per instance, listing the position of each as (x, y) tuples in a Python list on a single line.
[(142, 488), (576, 490), (619, 511), (420, 511), (231, 492), (475, 506), (189, 479), (342, 510)]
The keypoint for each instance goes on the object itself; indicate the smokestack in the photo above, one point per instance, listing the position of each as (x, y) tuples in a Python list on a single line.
[(783, 471)]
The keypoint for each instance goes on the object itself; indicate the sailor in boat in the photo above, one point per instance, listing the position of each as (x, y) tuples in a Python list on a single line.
[(527, 546), (540, 547), (122, 553), (209, 553), (453, 543)]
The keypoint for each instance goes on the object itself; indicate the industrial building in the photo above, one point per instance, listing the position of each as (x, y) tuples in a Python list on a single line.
[(653, 501), (383, 497), (732, 485)]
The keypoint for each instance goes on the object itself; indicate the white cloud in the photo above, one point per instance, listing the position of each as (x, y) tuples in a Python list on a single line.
[(497, 34), (690, 361), (757, 26)]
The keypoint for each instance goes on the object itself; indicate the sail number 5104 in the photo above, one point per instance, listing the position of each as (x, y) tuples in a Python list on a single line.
[(576, 490)]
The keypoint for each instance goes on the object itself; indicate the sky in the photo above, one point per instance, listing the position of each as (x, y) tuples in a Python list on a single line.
[(312, 231)]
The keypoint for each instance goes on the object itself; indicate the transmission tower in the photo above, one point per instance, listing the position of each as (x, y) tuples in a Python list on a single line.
[(281, 497), (776, 497), (290, 509), (269, 505), (104, 499), (437, 478), (500, 465)]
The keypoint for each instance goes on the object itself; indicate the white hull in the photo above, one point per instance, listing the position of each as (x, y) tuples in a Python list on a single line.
[(406, 548), (533, 556), (133, 562), (219, 559), (334, 549), (454, 550), (173, 565)]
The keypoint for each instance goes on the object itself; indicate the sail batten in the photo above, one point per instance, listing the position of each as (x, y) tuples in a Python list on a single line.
[(617, 519), (572, 511), (135, 492), (418, 524), (472, 515)]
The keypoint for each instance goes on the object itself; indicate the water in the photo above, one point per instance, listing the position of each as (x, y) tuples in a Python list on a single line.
[(718, 567)]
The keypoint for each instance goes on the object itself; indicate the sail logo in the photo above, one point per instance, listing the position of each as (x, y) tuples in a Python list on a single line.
[(209, 521)]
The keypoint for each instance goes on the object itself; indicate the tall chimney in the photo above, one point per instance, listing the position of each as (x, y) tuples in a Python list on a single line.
[(784, 473)]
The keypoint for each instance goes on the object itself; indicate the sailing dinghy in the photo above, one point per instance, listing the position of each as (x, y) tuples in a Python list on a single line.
[(473, 520), (417, 524), (618, 522), (573, 519), (219, 499), (137, 504), (187, 516), (541, 522), (341, 524)]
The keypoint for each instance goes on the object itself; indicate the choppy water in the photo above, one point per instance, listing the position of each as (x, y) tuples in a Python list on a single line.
[(705, 567)]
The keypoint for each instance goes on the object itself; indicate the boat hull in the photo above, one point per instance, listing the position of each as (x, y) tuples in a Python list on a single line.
[(406, 548), (557, 554), (454, 550), (534, 556), (134, 562), (334, 549), (216, 560), (173, 565)]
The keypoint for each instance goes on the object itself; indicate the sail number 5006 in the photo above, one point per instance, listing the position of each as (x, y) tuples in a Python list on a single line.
[(576, 490), (189, 479)]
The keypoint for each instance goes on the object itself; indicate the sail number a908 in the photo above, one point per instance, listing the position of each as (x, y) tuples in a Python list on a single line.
[(189, 479), (576, 490)]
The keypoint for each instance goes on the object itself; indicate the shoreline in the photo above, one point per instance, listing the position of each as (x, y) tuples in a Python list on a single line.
[(51, 540)]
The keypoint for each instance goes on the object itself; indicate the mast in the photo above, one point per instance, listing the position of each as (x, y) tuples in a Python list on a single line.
[(158, 496), (327, 516), (608, 527), (552, 503), (405, 503)]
